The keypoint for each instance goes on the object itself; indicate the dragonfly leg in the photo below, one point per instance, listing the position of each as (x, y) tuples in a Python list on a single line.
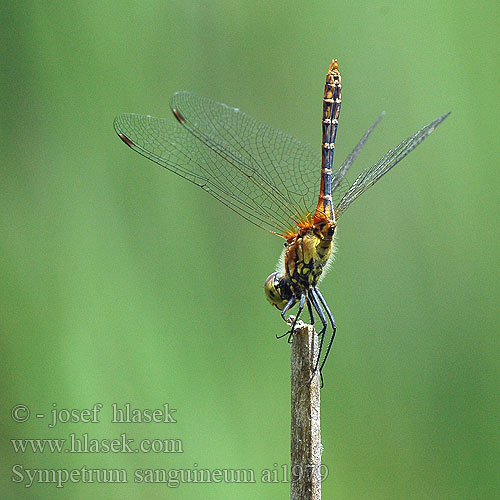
[(288, 306), (321, 335), (309, 307), (301, 307), (334, 327)]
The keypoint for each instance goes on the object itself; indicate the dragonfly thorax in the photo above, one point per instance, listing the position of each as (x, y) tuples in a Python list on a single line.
[(307, 254), (305, 257)]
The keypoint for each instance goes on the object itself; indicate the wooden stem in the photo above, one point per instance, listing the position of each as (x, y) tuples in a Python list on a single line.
[(306, 449)]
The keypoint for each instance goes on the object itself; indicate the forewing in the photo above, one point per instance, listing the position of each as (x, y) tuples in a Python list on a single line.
[(268, 159), (268, 177)]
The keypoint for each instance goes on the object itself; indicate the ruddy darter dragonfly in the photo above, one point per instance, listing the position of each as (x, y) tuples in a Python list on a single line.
[(271, 179)]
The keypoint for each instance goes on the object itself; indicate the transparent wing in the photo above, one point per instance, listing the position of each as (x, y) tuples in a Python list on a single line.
[(338, 176), (372, 174), (268, 177)]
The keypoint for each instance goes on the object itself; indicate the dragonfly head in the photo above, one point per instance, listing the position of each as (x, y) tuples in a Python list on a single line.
[(278, 290)]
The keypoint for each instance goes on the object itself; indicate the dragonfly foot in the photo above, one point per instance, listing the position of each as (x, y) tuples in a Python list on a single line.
[(282, 335), (321, 384)]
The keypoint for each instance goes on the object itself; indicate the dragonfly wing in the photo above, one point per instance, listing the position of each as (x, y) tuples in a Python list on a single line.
[(372, 174), (265, 159), (173, 147), (338, 176)]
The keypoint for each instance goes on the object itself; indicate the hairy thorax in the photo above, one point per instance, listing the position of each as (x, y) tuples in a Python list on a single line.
[(307, 253)]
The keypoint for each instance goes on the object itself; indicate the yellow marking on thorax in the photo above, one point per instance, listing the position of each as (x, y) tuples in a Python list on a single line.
[(306, 257)]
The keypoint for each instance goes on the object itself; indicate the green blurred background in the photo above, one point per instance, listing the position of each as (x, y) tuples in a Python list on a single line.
[(123, 283)]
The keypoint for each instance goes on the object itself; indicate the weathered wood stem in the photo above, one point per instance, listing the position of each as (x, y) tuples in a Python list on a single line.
[(306, 449)]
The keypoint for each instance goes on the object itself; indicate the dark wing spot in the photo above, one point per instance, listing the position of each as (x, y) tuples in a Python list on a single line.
[(178, 115), (126, 140)]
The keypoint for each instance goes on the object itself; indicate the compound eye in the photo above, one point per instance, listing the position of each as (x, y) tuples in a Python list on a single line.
[(273, 290)]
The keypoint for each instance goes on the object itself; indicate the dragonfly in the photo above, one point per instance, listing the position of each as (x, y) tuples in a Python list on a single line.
[(273, 180)]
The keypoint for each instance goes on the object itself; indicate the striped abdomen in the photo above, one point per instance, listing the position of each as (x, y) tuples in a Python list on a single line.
[(331, 110)]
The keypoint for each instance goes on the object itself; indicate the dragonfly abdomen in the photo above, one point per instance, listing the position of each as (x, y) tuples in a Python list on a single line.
[(332, 99)]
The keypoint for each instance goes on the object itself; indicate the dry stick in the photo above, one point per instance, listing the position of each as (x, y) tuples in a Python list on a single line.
[(305, 470)]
